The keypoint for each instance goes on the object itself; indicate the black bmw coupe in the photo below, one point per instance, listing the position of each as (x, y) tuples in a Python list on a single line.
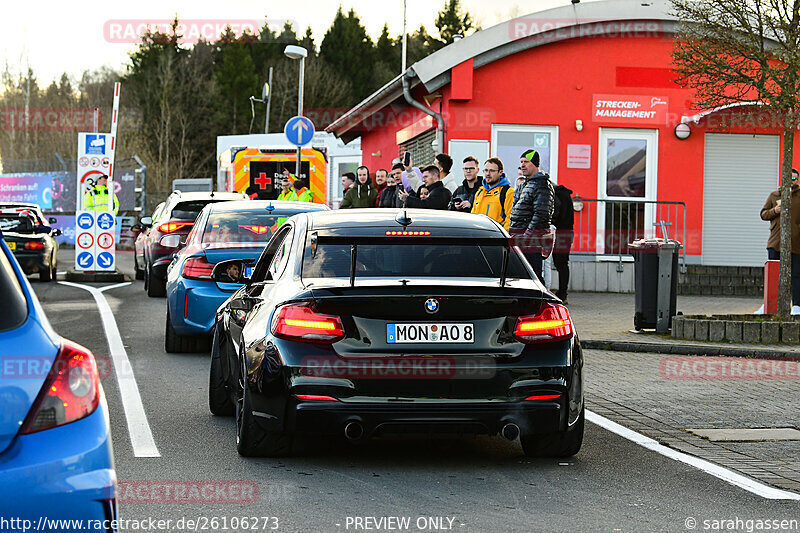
[(382, 321)]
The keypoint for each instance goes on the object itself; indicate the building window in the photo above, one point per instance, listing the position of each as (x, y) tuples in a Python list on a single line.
[(421, 148), (509, 141)]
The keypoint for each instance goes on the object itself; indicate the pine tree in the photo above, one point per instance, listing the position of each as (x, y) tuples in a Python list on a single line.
[(451, 21), (348, 49)]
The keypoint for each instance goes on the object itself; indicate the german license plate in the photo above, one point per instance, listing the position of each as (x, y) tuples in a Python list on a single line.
[(430, 333), (11, 245)]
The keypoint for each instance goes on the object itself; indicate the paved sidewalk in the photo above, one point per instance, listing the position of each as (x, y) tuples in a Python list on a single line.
[(663, 396)]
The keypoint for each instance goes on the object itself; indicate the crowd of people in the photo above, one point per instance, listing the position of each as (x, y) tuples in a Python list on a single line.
[(537, 214)]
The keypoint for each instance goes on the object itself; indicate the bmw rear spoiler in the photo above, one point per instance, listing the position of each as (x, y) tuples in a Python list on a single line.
[(403, 239)]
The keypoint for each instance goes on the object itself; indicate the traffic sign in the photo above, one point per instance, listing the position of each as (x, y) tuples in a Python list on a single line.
[(85, 240), (299, 130), (105, 241), (85, 260), (105, 260), (105, 221), (85, 220)]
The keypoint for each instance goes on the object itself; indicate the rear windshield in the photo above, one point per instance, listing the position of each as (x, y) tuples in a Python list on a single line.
[(190, 210), (15, 308), (242, 227), (21, 224), (411, 260)]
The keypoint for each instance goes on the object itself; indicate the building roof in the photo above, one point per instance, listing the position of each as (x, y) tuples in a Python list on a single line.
[(571, 21)]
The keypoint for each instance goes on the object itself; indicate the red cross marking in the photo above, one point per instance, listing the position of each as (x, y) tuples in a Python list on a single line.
[(263, 180)]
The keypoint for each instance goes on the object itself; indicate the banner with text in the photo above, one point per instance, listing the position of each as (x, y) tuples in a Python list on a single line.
[(630, 109)]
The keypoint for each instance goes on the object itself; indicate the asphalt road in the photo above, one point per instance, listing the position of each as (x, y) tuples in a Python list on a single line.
[(462, 484)]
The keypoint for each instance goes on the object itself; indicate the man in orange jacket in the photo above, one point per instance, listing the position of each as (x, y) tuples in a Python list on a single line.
[(495, 197)]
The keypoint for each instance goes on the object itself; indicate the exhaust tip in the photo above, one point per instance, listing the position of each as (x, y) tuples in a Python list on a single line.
[(354, 431), (510, 431)]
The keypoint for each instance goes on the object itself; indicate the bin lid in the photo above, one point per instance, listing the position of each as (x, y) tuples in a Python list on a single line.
[(655, 243)]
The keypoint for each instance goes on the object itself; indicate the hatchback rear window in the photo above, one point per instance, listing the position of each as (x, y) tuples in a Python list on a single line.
[(189, 210), (411, 260), (242, 227), (15, 308)]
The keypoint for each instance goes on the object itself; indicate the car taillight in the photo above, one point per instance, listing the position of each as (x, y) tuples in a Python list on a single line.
[(258, 230), (300, 322), (70, 392), (197, 268), (169, 227), (34, 245), (553, 323)]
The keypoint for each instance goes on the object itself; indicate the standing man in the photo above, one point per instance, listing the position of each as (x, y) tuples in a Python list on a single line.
[(287, 191), (444, 163), (97, 198), (388, 198), (302, 191), (563, 220), (348, 180), (494, 197), (380, 182), (772, 211), (363, 193), (438, 196), (533, 210), (464, 195)]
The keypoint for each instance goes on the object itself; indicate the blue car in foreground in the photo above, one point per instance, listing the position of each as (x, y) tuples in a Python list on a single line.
[(56, 460), (222, 231)]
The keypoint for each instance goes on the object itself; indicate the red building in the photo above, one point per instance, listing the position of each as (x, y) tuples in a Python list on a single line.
[(591, 87)]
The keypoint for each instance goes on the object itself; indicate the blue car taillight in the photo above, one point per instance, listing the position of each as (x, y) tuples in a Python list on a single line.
[(70, 392)]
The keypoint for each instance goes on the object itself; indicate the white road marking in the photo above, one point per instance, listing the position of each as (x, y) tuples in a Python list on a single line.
[(744, 482), (138, 429)]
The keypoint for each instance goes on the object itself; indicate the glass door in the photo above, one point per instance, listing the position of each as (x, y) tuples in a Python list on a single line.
[(509, 141), (627, 176)]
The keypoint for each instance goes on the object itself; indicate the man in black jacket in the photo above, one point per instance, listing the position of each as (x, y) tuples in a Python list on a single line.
[(438, 195), (563, 220), (532, 213), (464, 195), (388, 197)]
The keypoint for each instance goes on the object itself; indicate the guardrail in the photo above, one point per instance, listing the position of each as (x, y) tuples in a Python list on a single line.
[(624, 221)]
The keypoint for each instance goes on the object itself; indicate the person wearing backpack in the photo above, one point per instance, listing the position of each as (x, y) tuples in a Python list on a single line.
[(563, 220), (495, 196)]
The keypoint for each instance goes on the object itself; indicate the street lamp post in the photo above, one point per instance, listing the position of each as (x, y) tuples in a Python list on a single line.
[(298, 52)]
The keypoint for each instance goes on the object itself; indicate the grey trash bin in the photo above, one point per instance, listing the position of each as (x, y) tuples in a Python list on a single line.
[(655, 270)]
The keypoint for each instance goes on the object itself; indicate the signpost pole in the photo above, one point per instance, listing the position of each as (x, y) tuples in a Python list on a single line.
[(300, 111)]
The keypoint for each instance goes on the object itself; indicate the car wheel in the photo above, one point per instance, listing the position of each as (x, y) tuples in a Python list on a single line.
[(139, 272), (174, 343), (251, 439), (155, 288), (559, 444), (48, 274), (219, 401)]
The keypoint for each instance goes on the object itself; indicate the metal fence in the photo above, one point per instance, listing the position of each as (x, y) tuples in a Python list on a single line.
[(606, 227)]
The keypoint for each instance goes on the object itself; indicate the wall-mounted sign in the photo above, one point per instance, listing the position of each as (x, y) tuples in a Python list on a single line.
[(629, 109), (579, 156)]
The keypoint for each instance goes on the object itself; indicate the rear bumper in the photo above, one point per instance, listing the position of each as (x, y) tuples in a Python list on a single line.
[(32, 262), (61, 473), (423, 417), (193, 305)]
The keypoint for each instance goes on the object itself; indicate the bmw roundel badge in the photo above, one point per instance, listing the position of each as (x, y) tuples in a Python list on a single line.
[(431, 305)]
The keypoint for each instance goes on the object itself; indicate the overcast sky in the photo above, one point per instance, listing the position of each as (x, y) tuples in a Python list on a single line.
[(56, 36)]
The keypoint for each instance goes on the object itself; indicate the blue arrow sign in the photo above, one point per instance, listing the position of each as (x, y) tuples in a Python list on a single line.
[(85, 259), (105, 220), (85, 220), (105, 260), (299, 130)]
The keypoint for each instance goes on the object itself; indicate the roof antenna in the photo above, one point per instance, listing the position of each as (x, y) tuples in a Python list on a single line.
[(403, 219)]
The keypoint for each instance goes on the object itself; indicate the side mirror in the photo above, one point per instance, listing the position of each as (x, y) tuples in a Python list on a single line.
[(146, 221), (230, 271), (170, 241), (57, 232), (52, 220)]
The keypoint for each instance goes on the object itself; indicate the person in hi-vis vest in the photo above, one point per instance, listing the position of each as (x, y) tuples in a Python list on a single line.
[(96, 198)]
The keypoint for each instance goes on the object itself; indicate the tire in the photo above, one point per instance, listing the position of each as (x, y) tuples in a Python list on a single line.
[(174, 343), (219, 401), (138, 272), (154, 287), (559, 444), (49, 274), (251, 440)]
